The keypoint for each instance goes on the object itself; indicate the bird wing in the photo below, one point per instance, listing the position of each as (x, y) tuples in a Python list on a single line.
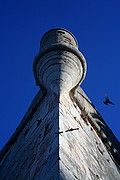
[(111, 102)]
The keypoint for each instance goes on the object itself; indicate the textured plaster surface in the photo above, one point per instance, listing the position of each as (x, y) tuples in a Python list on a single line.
[(35, 153), (82, 153), (57, 143)]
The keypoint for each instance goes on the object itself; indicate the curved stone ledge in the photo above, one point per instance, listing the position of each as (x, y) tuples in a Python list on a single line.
[(58, 51), (59, 71)]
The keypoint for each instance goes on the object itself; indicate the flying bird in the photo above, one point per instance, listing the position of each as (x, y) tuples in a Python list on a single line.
[(107, 101)]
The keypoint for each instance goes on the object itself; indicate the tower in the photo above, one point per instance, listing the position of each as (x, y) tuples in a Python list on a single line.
[(62, 135)]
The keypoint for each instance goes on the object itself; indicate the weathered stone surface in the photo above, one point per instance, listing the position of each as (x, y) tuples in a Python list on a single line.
[(36, 149), (81, 150), (62, 136), (59, 65)]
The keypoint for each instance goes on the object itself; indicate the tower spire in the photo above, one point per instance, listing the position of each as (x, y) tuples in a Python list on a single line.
[(59, 65), (62, 135)]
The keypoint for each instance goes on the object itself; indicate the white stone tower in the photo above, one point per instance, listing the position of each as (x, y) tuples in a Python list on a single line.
[(62, 135)]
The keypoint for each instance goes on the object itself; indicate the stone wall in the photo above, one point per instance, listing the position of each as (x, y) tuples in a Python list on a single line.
[(58, 143), (35, 152), (82, 152)]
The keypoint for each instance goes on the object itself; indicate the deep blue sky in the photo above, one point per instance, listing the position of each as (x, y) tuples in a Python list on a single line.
[(95, 24)]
